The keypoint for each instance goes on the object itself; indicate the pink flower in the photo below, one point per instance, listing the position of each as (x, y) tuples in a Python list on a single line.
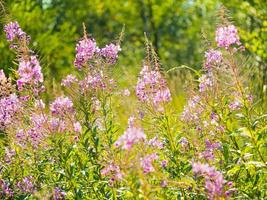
[(110, 52), (62, 106), (152, 87), (69, 80), (85, 50), (131, 136), (147, 161), (213, 57), (227, 36), (77, 127), (13, 31)]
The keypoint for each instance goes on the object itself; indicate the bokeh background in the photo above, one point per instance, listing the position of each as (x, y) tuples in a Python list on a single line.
[(177, 29)]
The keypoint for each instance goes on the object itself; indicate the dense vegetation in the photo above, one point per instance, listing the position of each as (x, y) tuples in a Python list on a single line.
[(88, 123)]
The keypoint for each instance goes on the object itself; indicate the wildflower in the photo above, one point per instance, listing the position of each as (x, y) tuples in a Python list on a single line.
[(164, 163), (131, 136), (110, 52), (6, 87), (5, 190), (9, 155), (147, 161), (14, 31), (62, 106), (205, 82), (227, 36), (26, 185), (213, 57), (126, 92), (151, 87), (58, 194), (93, 83), (235, 105), (69, 80), (85, 50), (29, 73), (154, 142), (214, 181), (77, 127), (9, 107), (113, 171)]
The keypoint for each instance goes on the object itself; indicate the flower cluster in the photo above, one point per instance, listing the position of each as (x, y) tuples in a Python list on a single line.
[(85, 50), (58, 194), (69, 80), (26, 185), (131, 136), (29, 73), (14, 31), (147, 161), (9, 107), (110, 52), (113, 171), (213, 58), (214, 181), (5, 190), (205, 82), (61, 106), (208, 153), (227, 36), (152, 87), (6, 87)]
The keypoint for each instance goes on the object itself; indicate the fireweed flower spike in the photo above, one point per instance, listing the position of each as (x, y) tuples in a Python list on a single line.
[(213, 58), (227, 36), (29, 73), (14, 31), (151, 87), (131, 136), (85, 50), (110, 52)]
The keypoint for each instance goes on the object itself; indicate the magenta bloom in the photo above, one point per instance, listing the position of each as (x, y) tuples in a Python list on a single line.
[(131, 136), (14, 31), (69, 80), (62, 106), (29, 73), (110, 52), (152, 87), (227, 36), (214, 181), (85, 50), (213, 57), (147, 161), (9, 107), (26, 185)]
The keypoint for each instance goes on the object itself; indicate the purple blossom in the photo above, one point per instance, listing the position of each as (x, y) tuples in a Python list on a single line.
[(9, 107), (113, 171), (14, 31), (110, 52), (58, 194), (26, 185), (147, 161), (77, 127), (62, 106), (131, 136), (164, 163), (214, 181), (227, 36), (154, 142), (152, 87), (29, 73), (5, 190), (213, 57), (205, 82), (69, 80), (85, 50)]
